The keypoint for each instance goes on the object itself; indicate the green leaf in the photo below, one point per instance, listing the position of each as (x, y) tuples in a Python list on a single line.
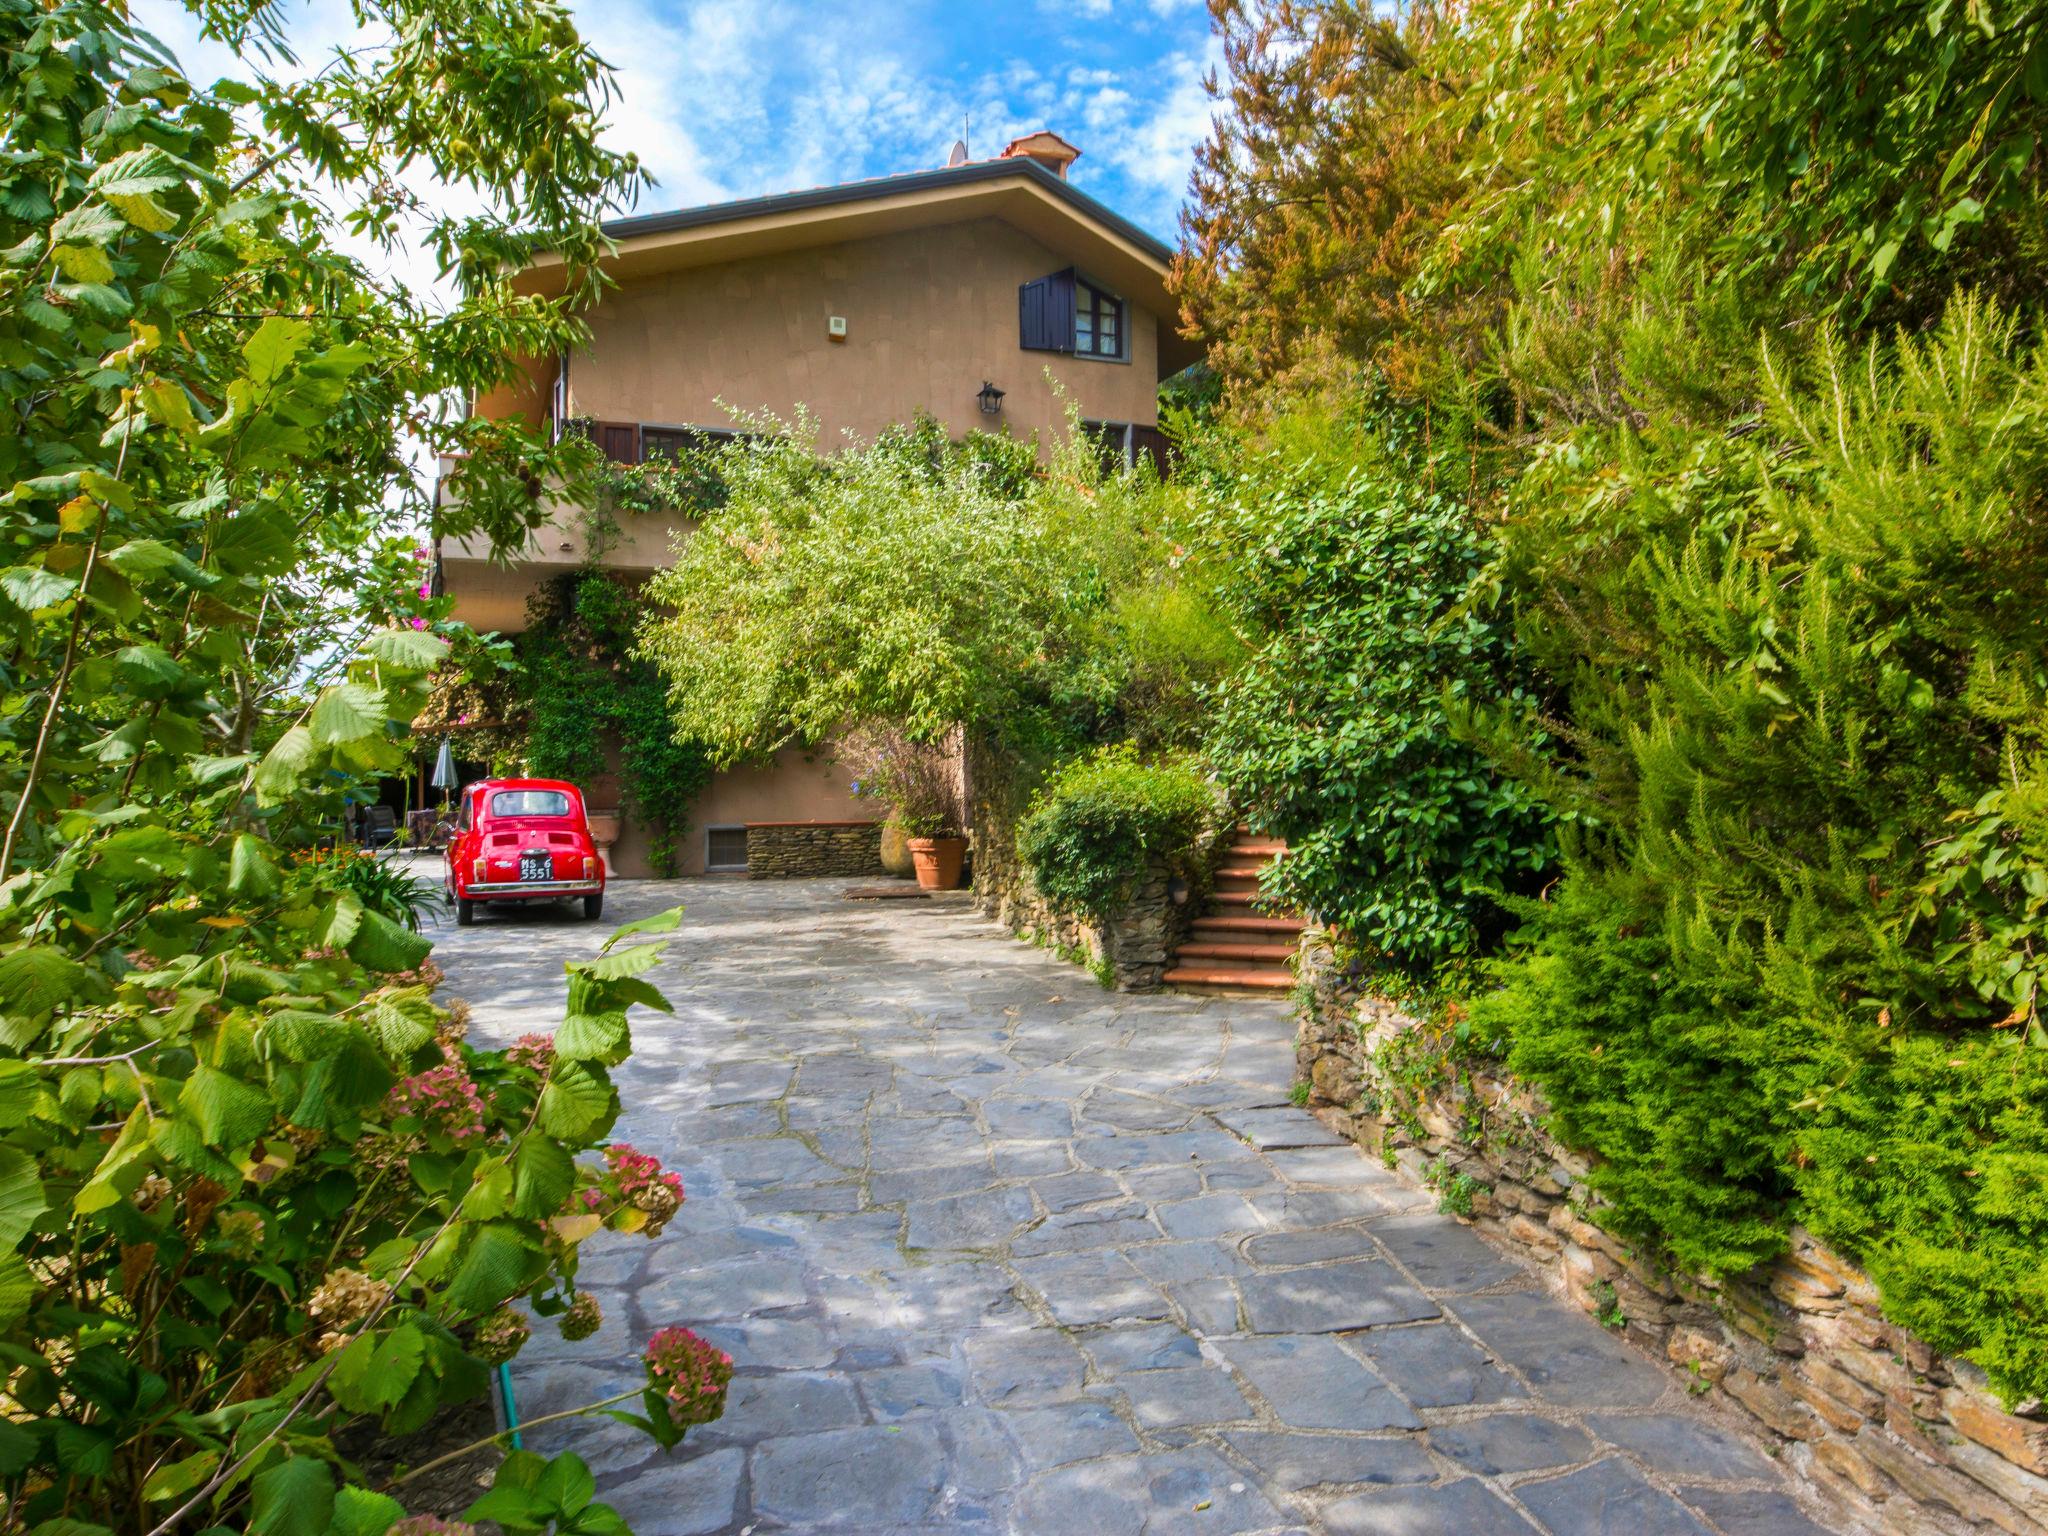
[(272, 346), (293, 1498), (575, 1103), (18, 1092), (137, 172), (22, 1197), (230, 1113), (566, 1485), (497, 1266), (592, 1036), (18, 1289), (83, 263), (383, 945), (660, 922), (543, 1174), (120, 1169), (360, 1512), (402, 1029), (417, 650), (39, 979), (30, 588), (148, 670), (347, 712), (615, 964), (179, 1477), (278, 776), (252, 873)]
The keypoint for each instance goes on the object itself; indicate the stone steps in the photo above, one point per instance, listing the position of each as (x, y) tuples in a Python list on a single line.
[(1219, 980), (1204, 950), (1236, 947)]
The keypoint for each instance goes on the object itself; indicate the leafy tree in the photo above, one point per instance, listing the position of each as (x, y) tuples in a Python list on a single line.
[(909, 582), (1352, 569), (253, 1186)]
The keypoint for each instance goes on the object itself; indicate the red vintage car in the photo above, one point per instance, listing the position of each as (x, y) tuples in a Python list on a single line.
[(523, 840)]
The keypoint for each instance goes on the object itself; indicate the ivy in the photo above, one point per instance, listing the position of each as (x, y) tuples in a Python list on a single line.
[(589, 688)]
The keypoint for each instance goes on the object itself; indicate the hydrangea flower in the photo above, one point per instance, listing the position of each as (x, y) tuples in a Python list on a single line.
[(583, 1318), (536, 1052), (500, 1336), (689, 1374), (640, 1182), (343, 1298), (444, 1098)]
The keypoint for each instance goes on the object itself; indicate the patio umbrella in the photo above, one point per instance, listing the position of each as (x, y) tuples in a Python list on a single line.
[(444, 770)]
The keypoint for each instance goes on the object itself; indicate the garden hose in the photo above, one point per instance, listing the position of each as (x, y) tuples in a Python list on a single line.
[(506, 1401)]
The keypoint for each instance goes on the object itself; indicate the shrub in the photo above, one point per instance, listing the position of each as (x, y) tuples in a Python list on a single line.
[(1097, 821), (918, 780), (1335, 734), (1793, 970)]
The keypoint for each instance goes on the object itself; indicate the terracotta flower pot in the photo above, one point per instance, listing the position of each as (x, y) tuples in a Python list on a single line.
[(937, 860)]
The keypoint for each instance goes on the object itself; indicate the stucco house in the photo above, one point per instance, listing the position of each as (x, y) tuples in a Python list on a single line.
[(863, 303)]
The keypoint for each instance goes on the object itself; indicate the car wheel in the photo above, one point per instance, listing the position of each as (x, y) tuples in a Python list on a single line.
[(593, 907), (465, 911)]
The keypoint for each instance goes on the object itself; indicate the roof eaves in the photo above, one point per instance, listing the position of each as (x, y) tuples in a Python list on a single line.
[(889, 186)]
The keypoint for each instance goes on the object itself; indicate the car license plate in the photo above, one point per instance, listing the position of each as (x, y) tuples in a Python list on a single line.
[(536, 866)]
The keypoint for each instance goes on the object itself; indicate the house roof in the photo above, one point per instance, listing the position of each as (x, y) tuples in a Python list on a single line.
[(1018, 190)]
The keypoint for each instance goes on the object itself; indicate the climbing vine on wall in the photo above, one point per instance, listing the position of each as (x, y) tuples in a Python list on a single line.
[(586, 686)]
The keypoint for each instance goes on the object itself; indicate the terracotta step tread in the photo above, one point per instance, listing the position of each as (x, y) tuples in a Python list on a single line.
[(1218, 976), (1212, 951), (1242, 899), (1240, 871), (1250, 846), (1235, 924)]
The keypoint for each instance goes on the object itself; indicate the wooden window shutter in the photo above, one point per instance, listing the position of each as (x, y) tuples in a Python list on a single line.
[(618, 441), (1045, 313)]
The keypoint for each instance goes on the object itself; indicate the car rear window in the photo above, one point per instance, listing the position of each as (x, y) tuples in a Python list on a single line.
[(529, 802)]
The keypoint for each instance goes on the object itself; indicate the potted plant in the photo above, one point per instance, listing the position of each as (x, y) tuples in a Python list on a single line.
[(920, 783)]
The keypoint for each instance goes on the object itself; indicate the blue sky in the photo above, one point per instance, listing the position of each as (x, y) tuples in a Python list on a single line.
[(731, 98), (735, 98)]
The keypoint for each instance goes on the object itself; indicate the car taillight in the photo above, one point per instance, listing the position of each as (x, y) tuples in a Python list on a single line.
[(480, 871), (589, 867)]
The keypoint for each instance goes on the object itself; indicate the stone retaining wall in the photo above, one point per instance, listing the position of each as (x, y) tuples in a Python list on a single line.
[(1132, 946), (1903, 1439), (786, 850)]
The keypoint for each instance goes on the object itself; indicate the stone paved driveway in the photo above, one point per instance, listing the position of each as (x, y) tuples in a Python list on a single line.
[(996, 1251)]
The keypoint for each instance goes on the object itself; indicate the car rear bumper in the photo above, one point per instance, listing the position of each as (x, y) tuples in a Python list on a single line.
[(514, 890)]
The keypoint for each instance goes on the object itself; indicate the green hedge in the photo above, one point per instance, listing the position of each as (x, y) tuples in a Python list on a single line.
[(1097, 820), (1793, 969)]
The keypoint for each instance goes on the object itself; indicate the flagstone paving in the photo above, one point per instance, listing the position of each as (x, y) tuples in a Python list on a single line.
[(996, 1251)]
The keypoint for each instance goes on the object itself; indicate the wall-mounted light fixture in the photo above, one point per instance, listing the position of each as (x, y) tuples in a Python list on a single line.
[(990, 399)]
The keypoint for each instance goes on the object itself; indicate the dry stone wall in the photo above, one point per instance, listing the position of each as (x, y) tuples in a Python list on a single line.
[(786, 850), (1132, 946), (1906, 1441)]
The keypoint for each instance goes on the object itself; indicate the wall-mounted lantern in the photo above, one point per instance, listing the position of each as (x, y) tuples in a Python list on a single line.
[(990, 399)]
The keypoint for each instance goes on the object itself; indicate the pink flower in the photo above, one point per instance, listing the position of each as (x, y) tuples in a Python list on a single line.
[(690, 1374), (426, 589), (535, 1052), (444, 1098), (419, 623)]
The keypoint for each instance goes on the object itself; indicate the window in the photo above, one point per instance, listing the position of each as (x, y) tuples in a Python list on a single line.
[(674, 442), (529, 802), (1098, 322), (1112, 441), (1062, 312), (725, 848)]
